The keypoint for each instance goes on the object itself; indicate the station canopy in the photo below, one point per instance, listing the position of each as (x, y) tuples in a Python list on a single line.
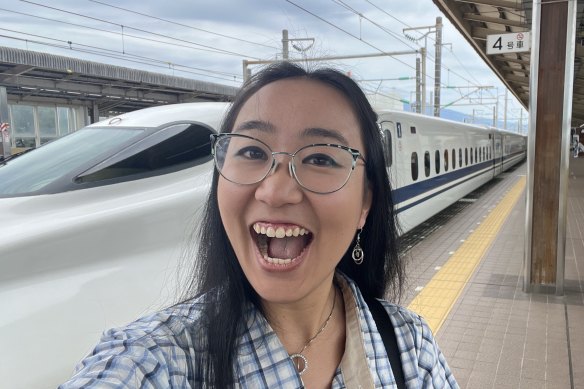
[(476, 19), (47, 78)]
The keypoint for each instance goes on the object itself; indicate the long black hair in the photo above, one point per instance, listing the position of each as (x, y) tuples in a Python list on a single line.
[(217, 272)]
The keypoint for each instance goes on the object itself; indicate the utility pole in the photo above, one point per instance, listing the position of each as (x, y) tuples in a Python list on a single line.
[(418, 83), (423, 82), (438, 63), (494, 116), (285, 53), (285, 42), (438, 66)]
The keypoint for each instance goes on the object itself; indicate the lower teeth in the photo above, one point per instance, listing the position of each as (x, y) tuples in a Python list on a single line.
[(277, 261)]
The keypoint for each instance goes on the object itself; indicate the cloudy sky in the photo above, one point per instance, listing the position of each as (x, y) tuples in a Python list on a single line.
[(208, 40)]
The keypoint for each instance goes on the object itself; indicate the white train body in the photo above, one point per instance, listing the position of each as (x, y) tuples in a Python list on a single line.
[(433, 162), (79, 255)]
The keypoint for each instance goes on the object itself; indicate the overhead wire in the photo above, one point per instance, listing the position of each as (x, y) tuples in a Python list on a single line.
[(474, 81), (137, 29), (114, 32), (68, 46), (350, 34), (184, 25), (209, 48), (71, 43), (389, 32), (431, 38), (366, 89), (386, 30), (340, 2), (391, 16)]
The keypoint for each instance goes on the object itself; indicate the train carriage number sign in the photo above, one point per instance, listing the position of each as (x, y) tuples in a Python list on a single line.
[(517, 42)]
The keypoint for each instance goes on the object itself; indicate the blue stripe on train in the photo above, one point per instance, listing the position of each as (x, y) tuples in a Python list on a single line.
[(407, 192)]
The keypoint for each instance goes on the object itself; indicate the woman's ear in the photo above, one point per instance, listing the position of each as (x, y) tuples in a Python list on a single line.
[(367, 199)]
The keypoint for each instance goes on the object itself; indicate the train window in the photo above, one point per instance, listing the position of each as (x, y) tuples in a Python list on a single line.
[(445, 160), (437, 161), (427, 163), (465, 156), (413, 130), (387, 148), (476, 155), (453, 159), (414, 166), (471, 159), (460, 157), (174, 148)]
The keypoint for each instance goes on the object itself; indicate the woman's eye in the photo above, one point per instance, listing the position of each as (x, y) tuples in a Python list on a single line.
[(252, 152), (321, 160)]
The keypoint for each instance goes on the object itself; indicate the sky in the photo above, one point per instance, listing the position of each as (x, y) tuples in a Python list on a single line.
[(208, 40)]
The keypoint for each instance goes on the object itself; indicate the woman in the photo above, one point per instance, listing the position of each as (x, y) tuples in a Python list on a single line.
[(298, 227)]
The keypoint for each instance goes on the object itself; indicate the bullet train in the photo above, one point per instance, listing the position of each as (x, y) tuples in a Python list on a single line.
[(96, 227), (433, 162)]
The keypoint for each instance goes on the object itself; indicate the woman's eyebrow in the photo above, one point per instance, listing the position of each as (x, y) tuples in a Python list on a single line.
[(327, 133), (264, 126), (255, 125)]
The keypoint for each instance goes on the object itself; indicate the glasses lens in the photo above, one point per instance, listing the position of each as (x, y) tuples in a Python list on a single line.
[(323, 169), (241, 159)]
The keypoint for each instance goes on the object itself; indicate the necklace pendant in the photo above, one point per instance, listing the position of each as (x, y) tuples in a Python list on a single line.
[(300, 362)]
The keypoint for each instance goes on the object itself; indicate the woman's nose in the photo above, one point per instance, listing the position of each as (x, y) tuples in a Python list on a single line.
[(279, 187)]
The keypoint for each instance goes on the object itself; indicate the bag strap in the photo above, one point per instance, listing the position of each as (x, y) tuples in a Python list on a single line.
[(387, 333)]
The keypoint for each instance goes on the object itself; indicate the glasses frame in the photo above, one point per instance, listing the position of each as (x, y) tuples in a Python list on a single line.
[(356, 154)]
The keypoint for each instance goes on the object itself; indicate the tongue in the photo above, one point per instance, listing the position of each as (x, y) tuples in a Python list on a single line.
[(285, 248)]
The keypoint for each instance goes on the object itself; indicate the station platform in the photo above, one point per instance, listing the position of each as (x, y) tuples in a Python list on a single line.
[(466, 277)]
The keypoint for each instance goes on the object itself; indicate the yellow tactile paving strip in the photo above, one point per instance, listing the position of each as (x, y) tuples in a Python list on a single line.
[(437, 298)]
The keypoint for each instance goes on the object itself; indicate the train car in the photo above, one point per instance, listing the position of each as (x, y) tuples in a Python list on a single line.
[(434, 162), (93, 225)]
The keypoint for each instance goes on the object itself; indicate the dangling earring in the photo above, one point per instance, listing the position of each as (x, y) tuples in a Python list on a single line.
[(357, 250)]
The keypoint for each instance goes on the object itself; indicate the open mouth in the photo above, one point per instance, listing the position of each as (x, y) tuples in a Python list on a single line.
[(281, 245)]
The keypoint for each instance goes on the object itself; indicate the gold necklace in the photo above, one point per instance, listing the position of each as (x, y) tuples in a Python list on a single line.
[(299, 359)]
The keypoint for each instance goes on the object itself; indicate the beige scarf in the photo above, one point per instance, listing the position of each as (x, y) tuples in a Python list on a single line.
[(354, 365)]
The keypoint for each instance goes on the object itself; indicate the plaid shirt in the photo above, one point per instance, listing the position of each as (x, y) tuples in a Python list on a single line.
[(157, 351)]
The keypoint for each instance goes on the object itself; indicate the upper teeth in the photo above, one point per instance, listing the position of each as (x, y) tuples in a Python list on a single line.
[(279, 232)]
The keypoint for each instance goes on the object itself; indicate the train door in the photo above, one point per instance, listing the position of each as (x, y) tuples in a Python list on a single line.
[(389, 136), (498, 148)]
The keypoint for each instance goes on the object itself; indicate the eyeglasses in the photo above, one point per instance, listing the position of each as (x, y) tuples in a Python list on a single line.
[(320, 168)]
